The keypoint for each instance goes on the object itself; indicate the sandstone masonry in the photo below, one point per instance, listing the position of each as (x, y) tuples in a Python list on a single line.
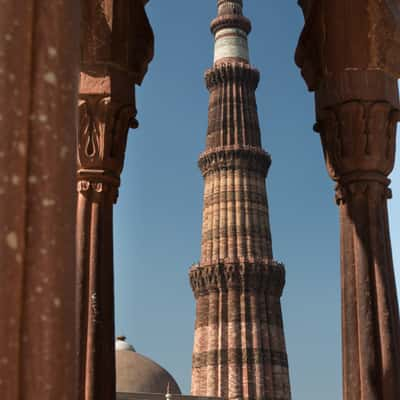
[(239, 346)]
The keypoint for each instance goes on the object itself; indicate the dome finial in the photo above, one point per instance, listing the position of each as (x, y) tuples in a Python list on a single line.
[(122, 344)]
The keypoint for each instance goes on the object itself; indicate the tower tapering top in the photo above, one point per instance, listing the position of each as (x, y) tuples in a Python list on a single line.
[(230, 7), (230, 29)]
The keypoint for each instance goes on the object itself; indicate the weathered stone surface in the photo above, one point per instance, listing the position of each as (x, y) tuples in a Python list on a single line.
[(116, 36), (239, 348), (325, 50), (353, 68), (39, 69)]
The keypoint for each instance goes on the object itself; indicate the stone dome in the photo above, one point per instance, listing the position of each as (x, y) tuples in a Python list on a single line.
[(138, 374)]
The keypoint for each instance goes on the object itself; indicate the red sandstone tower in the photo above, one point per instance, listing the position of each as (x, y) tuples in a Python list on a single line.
[(239, 346)]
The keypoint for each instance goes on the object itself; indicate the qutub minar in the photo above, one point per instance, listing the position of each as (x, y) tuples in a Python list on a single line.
[(239, 345)]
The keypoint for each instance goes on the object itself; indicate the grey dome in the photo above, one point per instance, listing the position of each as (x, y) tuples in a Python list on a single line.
[(138, 374)]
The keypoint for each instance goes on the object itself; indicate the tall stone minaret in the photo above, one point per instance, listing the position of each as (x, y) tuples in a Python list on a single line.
[(239, 345)]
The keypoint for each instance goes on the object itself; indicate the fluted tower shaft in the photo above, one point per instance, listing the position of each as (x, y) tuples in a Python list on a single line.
[(239, 346)]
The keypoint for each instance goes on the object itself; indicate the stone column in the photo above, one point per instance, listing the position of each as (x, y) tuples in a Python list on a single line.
[(353, 69), (39, 56), (103, 127), (117, 46)]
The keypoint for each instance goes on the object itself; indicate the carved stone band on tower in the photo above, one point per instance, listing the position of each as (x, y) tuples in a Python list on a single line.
[(239, 346)]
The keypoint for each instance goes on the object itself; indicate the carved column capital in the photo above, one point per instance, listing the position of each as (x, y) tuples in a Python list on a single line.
[(358, 139), (363, 188), (103, 130), (116, 48)]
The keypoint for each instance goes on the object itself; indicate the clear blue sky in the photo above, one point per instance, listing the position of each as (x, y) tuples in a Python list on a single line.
[(158, 217)]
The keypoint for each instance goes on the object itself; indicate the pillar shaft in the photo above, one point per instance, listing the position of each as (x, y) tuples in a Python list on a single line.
[(354, 72), (371, 322), (101, 146), (117, 46), (39, 69), (358, 138)]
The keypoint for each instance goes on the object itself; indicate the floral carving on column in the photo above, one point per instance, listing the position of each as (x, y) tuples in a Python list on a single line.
[(103, 131), (358, 137)]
